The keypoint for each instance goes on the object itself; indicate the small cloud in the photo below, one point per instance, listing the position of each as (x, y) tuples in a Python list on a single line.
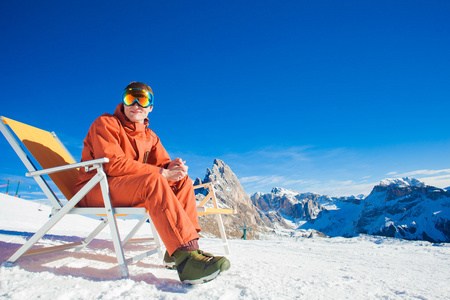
[(429, 172), (344, 188), (422, 173), (272, 180), (442, 181), (339, 182), (429, 177), (250, 179)]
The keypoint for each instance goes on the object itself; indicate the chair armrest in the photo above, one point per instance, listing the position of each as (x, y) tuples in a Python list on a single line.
[(204, 185), (88, 163)]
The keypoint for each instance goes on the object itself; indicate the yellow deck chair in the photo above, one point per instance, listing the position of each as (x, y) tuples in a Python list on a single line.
[(60, 166)]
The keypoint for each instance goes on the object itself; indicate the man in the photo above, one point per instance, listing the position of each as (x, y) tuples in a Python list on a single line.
[(141, 173)]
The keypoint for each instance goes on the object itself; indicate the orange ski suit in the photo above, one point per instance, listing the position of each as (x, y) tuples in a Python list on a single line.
[(136, 158)]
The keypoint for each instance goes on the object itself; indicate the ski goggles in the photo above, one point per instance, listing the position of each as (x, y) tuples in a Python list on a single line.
[(143, 97)]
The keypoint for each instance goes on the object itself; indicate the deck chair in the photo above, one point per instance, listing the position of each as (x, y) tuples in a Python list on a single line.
[(57, 163)]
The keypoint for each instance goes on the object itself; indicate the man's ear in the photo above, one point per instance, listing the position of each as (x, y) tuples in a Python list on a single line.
[(151, 108)]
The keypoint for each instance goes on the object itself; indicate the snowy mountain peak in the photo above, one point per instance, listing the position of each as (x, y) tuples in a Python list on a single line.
[(283, 191), (278, 191), (402, 182)]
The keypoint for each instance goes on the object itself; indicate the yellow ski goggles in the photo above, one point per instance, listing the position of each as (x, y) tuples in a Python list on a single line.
[(143, 97)]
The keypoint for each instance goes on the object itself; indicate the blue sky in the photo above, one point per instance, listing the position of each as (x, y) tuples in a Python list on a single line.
[(317, 96)]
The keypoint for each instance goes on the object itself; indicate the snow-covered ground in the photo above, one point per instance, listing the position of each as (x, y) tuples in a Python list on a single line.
[(363, 267)]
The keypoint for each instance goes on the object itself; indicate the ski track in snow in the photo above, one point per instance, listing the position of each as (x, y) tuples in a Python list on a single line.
[(363, 267)]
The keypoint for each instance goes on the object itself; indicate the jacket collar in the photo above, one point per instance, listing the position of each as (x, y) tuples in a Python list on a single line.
[(119, 113)]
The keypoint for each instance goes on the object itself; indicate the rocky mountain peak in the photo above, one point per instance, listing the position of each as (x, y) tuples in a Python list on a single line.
[(402, 187), (403, 207), (406, 208), (230, 194), (288, 203), (402, 182)]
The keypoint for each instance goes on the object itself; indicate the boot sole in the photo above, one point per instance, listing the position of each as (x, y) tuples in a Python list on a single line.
[(223, 267), (202, 280)]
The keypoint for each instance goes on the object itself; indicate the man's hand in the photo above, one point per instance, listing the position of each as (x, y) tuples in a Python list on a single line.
[(176, 170)]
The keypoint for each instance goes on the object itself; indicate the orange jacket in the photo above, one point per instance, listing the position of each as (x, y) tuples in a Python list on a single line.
[(132, 148)]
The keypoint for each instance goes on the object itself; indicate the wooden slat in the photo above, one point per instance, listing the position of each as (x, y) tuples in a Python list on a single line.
[(52, 249), (221, 211)]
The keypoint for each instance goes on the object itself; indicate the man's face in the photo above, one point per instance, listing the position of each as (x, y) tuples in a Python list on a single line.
[(137, 113)]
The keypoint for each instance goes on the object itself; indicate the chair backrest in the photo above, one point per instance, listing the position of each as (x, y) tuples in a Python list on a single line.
[(48, 152)]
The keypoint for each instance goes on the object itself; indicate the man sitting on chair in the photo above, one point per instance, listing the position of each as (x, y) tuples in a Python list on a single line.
[(141, 173)]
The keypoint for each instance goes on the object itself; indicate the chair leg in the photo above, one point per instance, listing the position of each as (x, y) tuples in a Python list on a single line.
[(93, 234), (156, 238), (123, 269), (134, 230), (44, 229), (223, 234)]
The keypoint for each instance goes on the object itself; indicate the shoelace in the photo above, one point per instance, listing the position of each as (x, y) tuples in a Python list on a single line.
[(201, 256)]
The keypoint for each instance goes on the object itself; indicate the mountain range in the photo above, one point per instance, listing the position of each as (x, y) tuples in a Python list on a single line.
[(402, 208)]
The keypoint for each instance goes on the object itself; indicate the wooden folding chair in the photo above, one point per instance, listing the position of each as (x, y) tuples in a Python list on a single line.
[(215, 210), (60, 166)]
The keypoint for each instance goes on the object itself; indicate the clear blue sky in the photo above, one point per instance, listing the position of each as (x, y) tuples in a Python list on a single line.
[(317, 96)]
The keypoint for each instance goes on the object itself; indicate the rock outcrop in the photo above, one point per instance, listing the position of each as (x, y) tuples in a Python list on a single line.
[(230, 194), (407, 208), (402, 208), (288, 203)]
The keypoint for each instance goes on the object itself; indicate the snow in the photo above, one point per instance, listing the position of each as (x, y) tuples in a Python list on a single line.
[(402, 182), (363, 267)]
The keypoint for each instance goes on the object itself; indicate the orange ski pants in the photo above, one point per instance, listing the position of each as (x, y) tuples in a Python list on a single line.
[(171, 205)]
